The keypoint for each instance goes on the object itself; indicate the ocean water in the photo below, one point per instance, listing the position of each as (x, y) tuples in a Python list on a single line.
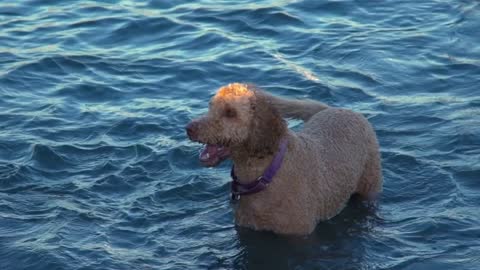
[(96, 171)]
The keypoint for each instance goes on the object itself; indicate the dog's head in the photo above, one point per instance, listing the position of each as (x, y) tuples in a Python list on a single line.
[(239, 118)]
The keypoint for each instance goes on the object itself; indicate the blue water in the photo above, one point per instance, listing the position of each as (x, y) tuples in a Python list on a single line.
[(96, 171)]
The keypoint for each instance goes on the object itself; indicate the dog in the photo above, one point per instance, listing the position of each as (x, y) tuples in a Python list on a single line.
[(286, 181)]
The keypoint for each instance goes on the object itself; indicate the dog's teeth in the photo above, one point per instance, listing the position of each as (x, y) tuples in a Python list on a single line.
[(207, 155)]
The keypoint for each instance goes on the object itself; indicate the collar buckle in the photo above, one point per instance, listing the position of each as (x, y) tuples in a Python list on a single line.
[(263, 180)]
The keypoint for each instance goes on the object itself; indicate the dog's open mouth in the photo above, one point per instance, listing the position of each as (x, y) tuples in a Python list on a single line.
[(213, 154)]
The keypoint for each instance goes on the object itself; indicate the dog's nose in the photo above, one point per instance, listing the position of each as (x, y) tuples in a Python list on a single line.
[(191, 129)]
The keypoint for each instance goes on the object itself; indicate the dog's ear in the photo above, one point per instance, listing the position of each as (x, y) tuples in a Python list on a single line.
[(266, 128)]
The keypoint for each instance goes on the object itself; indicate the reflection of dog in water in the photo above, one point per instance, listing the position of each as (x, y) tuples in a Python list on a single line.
[(285, 181), (333, 245)]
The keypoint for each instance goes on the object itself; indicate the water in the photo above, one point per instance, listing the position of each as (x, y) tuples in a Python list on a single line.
[(97, 173)]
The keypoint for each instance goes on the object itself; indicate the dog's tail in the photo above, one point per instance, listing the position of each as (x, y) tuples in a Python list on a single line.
[(297, 109)]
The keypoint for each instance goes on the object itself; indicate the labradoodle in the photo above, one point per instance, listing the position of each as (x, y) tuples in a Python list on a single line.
[(287, 181)]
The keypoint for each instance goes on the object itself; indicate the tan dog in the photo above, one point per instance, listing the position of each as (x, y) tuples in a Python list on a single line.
[(335, 156)]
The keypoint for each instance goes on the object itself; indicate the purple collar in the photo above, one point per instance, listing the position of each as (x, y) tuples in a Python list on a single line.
[(261, 183)]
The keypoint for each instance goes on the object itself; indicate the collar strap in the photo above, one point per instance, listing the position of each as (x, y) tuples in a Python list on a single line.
[(261, 183)]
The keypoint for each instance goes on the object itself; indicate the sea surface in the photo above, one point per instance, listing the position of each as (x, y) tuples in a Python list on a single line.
[(96, 171)]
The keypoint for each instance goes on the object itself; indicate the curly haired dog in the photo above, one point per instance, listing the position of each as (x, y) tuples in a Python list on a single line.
[(314, 172)]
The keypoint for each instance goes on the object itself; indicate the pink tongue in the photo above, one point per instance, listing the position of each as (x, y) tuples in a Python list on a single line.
[(209, 152)]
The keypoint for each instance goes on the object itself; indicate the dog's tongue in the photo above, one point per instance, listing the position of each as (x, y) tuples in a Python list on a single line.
[(213, 154)]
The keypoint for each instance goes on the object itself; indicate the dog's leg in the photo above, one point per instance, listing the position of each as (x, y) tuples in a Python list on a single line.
[(370, 184)]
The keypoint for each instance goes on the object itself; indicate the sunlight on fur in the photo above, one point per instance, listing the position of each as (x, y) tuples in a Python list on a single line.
[(234, 90)]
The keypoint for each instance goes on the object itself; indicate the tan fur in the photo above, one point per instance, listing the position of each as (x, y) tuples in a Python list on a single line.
[(300, 109), (334, 156)]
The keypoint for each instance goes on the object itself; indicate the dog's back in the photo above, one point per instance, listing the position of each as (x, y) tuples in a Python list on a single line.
[(343, 140)]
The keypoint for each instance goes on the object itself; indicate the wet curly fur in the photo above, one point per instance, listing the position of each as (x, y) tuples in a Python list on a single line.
[(335, 156)]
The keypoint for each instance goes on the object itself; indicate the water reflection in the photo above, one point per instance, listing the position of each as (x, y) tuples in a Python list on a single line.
[(335, 244)]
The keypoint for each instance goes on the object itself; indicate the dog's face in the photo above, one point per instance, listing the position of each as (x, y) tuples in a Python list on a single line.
[(226, 124)]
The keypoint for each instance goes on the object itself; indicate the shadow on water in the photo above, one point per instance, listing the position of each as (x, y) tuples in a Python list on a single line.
[(335, 244)]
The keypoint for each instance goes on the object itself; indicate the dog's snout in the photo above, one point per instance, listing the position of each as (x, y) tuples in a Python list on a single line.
[(192, 129)]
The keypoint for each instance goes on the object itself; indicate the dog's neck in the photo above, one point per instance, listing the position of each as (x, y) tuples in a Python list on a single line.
[(254, 155), (249, 167)]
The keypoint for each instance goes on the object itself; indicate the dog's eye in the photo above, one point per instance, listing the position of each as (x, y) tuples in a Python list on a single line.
[(230, 113)]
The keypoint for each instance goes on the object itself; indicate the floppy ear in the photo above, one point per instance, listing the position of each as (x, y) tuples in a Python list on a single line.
[(266, 128)]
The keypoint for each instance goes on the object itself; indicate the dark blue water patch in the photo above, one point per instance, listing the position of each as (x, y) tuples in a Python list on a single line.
[(426, 180), (65, 134), (136, 173), (131, 128), (191, 189), (112, 157), (52, 67), (452, 68), (126, 238), (96, 23), (140, 30), (464, 142), (468, 179), (282, 17), (17, 10), (239, 21), (18, 82), (11, 176), (182, 158), (133, 74), (303, 88), (12, 120), (27, 258), (113, 186), (156, 165), (253, 19), (325, 8), (197, 44), (45, 157), (91, 92), (350, 93), (9, 58), (34, 123), (169, 5)]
